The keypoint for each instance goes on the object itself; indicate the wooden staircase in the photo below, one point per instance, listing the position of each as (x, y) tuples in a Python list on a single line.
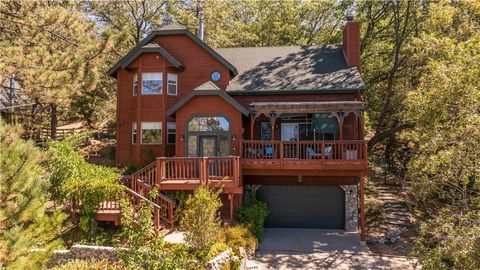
[(138, 191)]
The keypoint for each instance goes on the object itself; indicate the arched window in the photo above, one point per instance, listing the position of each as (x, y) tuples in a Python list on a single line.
[(208, 136)]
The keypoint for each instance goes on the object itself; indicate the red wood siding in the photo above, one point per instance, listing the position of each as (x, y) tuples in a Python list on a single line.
[(209, 105)]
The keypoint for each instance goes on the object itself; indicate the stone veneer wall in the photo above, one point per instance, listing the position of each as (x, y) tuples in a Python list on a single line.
[(351, 208)]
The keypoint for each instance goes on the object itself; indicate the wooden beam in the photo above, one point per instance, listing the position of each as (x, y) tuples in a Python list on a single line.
[(253, 117)]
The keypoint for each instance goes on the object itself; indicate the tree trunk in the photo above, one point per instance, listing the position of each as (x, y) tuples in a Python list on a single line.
[(53, 121)]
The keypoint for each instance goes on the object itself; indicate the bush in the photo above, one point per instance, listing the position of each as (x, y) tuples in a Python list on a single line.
[(253, 213), (373, 208), (89, 265), (239, 236), (75, 179), (179, 198), (201, 219), (450, 240)]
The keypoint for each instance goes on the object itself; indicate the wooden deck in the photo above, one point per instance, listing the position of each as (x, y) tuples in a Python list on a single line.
[(304, 158), (189, 173)]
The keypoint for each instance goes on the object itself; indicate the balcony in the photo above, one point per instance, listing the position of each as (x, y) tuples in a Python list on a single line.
[(189, 173), (346, 157)]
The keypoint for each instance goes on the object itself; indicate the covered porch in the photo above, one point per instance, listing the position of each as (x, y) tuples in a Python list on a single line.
[(320, 135)]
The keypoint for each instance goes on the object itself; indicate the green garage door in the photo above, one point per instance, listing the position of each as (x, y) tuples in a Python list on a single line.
[(321, 207)]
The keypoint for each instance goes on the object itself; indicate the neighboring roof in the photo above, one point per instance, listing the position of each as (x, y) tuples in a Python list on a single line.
[(291, 68), (309, 106), (208, 89), (150, 47), (13, 97), (169, 29)]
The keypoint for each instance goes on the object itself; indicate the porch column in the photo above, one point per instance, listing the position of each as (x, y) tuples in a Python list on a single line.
[(272, 116), (253, 117)]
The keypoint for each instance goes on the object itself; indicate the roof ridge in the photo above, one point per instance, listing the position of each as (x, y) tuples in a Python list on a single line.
[(286, 46)]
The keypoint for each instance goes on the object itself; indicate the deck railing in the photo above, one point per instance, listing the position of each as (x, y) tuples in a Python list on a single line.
[(180, 169), (304, 150)]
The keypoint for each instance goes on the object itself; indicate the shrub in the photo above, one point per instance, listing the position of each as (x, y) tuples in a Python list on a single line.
[(179, 198), (253, 213), (373, 208), (216, 249), (75, 179), (88, 265), (201, 218), (239, 236)]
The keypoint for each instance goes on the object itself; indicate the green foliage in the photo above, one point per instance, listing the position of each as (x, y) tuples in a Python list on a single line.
[(201, 218), (75, 179), (23, 222), (179, 198), (89, 265), (373, 208), (129, 169), (450, 241), (239, 236), (216, 249), (145, 249), (253, 213)]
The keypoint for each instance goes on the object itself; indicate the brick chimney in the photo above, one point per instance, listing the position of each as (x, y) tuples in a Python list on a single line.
[(351, 42)]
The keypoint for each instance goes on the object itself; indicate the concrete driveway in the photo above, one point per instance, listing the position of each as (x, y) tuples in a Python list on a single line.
[(320, 249), (310, 241)]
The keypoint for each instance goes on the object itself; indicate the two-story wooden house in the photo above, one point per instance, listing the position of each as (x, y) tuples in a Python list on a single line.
[(284, 121)]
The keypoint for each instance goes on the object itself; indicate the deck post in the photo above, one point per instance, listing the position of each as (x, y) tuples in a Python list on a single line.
[(362, 208), (158, 176), (230, 197)]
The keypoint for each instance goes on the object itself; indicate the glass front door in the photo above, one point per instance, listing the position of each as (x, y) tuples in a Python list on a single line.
[(208, 146)]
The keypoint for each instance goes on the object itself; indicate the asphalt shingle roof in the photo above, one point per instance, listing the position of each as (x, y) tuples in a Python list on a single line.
[(289, 68)]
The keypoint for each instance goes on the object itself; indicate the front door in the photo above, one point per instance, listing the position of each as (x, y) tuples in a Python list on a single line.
[(208, 146)]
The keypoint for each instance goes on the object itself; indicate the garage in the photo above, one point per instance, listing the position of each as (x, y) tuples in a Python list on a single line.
[(294, 206)]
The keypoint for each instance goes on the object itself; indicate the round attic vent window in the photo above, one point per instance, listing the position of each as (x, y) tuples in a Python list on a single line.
[(215, 76)]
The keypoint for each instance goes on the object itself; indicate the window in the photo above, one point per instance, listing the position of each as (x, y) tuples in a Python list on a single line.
[(172, 84), (134, 133), (151, 133), (210, 123), (152, 83), (171, 131), (135, 84), (266, 131), (192, 146)]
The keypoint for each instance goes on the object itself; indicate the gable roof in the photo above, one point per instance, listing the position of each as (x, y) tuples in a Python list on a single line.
[(169, 29), (150, 47), (288, 69), (208, 89)]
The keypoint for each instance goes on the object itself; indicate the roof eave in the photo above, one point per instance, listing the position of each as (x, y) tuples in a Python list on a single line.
[(219, 93), (296, 91), (112, 71)]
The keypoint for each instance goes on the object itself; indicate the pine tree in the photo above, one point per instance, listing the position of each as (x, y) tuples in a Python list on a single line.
[(23, 199), (55, 51)]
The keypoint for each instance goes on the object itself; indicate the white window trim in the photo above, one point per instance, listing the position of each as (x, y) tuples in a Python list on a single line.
[(141, 133), (176, 84), (134, 132), (135, 83), (144, 76), (169, 133)]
